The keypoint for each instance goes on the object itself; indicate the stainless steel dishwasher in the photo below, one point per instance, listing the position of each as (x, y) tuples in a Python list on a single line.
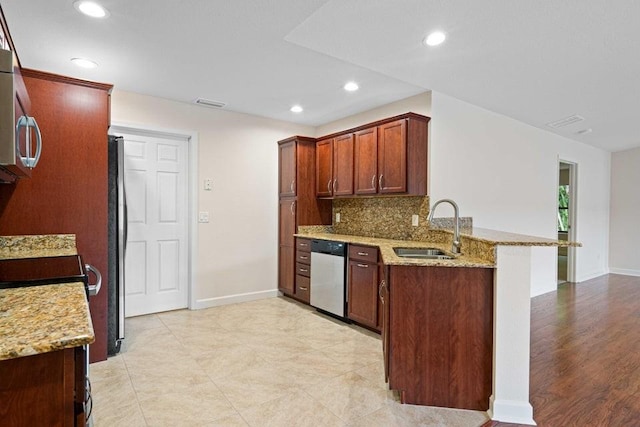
[(328, 291)]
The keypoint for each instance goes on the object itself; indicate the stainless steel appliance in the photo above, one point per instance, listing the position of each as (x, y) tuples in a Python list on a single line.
[(117, 240), (20, 138), (23, 272), (328, 276)]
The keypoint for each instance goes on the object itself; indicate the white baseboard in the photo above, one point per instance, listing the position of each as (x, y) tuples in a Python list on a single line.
[(233, 299), (591, 276), (625, 271), (511, 411)]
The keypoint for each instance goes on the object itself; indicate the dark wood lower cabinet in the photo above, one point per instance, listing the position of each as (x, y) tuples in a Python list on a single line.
[(438, 335), (363, 293), (44, 389), (363, 304)]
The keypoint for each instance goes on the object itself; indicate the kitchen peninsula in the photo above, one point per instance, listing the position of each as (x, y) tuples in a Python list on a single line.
[(487, 347)]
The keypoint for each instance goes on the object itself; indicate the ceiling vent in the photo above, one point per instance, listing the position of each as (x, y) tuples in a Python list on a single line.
[(566, 121), (209, 103)]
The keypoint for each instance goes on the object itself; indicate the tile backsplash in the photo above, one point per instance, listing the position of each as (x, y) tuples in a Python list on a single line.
[(383, 217)]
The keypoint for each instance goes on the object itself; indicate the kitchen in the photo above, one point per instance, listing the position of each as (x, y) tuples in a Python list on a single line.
[(238, 151)]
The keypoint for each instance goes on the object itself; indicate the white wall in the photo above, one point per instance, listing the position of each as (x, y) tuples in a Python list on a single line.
[(237, 249), (504, 174), (419, 104), (625, 212)]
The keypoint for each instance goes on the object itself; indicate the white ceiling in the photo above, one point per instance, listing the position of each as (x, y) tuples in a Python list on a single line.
[(534, 61)]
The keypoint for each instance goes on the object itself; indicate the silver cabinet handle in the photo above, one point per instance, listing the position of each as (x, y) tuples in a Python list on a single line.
[(32, 161), (303, 257), (373, 181), (293, 205), (363, 253), (304, 270), (94, 289), (382, 285), (380, 182), (363, 265), (23, 122), (291, 185), (303, 244), (303, 288), (335, 181), (329, 187)]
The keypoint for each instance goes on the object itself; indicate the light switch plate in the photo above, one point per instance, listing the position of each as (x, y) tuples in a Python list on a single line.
[(415, 220), (338, 217), (208, 184), (203, 217)]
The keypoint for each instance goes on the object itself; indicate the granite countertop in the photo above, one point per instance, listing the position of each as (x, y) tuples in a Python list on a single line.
[(389, 257), (40, 319), (503, 238), (478, 248)]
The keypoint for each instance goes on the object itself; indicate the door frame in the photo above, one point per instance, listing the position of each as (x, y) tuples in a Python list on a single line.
[(191, 138), (573, 199)]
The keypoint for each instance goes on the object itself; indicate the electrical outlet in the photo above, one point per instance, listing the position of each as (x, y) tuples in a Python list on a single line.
[(415, 220), (203, 217), (208, 184), (338, 217)]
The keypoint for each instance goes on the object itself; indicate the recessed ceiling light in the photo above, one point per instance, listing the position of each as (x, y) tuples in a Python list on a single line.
[(351, 86), (84, 63), (297, 109), (435, 38), (91, 9)]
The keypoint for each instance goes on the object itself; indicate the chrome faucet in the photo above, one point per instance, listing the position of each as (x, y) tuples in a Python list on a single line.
[(455, 248)]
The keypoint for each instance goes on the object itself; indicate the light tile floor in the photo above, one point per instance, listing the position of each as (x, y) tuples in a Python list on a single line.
[(271, 362)]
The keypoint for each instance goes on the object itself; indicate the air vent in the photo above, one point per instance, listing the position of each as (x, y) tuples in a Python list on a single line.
[(209, 103), (566, 121)]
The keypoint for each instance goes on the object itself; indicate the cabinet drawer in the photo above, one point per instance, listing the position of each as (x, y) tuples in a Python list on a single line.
[(303, 269), (303, 257), (303, 288), (363, 253), (303, 244)]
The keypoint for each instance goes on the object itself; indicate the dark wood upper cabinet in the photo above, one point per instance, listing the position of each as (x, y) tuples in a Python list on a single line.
[(324, 168), (392, 157), (366, 161), (287, 162), (385, 157), (334, 166), (343, 165)]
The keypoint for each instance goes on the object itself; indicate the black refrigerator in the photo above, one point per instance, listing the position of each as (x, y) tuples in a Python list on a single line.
[(117, 237)]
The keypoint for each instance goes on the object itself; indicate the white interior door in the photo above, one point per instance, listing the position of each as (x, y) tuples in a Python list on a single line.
[(156, 259)]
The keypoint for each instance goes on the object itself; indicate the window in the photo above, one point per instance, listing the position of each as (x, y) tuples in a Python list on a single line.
[(563, 208)]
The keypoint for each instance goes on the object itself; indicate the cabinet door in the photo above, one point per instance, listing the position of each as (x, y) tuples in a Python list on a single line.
[(366, 161), (343, 165), (324, 168), (287, 222), (384, 294), (286, 273), (363, 292), (287, 161), (392, 157)]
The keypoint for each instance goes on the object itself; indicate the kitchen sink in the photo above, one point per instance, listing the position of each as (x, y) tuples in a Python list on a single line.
[(422, 253)]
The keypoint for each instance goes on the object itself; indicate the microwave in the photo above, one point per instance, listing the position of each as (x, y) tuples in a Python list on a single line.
[(20, 138)]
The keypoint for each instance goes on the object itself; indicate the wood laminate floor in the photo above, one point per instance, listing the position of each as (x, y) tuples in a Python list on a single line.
[(585, 354)]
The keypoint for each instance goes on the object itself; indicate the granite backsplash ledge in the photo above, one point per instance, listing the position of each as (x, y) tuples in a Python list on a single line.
[(30, 246)]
